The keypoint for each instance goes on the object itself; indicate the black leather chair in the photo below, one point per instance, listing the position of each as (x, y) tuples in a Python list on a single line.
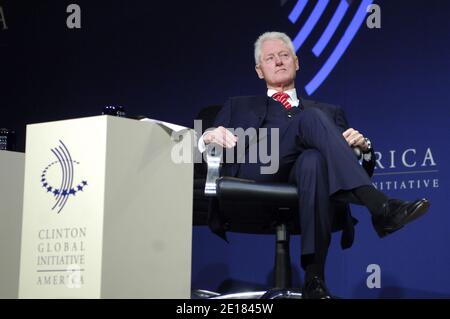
[(246, 206)]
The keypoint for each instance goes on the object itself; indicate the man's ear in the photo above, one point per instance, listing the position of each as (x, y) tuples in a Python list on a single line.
[(297, 64), (259, 72)]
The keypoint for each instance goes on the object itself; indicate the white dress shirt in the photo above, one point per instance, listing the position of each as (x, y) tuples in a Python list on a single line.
[(293, 99)]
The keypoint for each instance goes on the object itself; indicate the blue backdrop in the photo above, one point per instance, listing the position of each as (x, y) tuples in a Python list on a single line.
[(168, 59)]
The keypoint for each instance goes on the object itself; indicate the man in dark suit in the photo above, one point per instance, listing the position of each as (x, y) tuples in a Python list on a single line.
[(314, 148)]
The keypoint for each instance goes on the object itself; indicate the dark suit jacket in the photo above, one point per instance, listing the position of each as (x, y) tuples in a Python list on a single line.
[(250, 111)]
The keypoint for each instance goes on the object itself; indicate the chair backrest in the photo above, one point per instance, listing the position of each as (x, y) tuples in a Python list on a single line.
[(201, 203), (207, 115)]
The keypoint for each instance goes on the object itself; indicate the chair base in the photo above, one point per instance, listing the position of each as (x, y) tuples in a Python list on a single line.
[(282, 294), (269, 294)]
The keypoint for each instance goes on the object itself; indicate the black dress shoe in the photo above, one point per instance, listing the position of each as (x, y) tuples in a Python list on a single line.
[(315, 289), (396, 214)]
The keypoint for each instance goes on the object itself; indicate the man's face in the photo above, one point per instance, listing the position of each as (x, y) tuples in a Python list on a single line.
[(277, 65)]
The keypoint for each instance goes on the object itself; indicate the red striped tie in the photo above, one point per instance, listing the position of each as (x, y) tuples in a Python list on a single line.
[(283, 98)]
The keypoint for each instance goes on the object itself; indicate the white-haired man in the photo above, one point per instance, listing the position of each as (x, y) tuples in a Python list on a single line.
[(316, 152)]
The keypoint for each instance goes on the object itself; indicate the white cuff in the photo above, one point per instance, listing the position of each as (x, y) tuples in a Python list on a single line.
[(201, 142)]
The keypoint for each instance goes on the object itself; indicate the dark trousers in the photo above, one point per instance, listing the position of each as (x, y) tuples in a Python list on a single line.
[(315, 156)]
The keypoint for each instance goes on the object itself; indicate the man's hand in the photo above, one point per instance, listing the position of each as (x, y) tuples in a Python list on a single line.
[(220, 136), (355, 139)]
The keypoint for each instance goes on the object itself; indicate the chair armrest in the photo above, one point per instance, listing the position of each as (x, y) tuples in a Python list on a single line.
[(213, 159)]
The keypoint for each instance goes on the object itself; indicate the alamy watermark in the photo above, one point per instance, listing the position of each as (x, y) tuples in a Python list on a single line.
[(73, 21), (253, 146), (373, 21), (374, 279)]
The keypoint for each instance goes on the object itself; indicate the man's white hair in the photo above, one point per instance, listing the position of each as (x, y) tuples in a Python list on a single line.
[(271, 36)]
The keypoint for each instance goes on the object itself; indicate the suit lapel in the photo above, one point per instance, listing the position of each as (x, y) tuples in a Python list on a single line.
[(258, 110)]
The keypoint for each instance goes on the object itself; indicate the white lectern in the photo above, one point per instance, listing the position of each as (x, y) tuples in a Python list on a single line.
[(107, 210), (12, 166)]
